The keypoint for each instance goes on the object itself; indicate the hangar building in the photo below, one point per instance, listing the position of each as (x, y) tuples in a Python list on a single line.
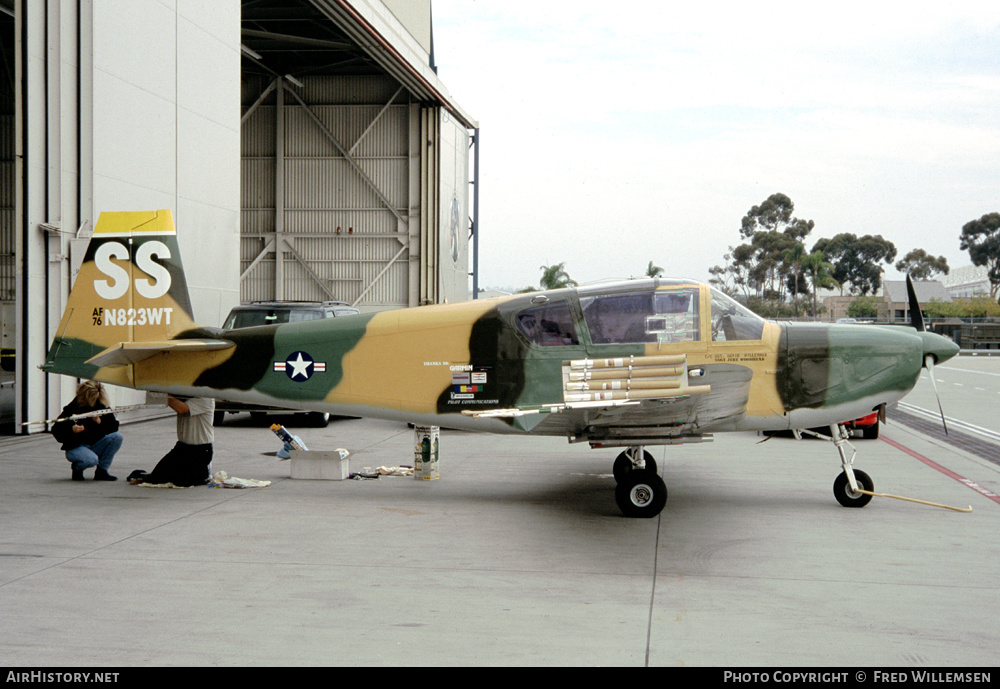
[(306, 148)]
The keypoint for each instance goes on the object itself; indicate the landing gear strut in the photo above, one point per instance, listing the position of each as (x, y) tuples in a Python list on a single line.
[(846, 487), (633, 458), (640, 491)]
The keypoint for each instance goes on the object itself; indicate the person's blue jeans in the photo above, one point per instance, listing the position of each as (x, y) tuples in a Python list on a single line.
[(99, 454)]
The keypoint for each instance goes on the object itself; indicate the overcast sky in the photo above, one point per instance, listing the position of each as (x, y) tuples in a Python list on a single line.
[(618, 133)]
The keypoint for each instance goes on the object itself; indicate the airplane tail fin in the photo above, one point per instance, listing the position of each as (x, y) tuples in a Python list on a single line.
[(130, 289)]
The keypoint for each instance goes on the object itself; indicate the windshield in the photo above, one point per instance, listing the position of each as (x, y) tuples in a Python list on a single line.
[(550, 325), (733, 321)]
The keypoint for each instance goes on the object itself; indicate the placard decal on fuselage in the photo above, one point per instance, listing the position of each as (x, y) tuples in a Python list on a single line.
[(467, 384)]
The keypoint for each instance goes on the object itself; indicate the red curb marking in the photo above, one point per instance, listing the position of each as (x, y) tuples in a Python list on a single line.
[(947, 472)]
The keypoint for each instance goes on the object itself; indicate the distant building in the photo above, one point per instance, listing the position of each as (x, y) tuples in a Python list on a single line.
[(893, 306), (898, 302), (837, 307), (967, 281)]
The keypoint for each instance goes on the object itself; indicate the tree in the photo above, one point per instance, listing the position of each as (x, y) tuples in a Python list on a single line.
[(773, 213), (770, 248), (981, 238), (771, 231), (963, 307), (794, 258), (653, 271), (723, 277), (555, 277), (920, 265), (769, 308), (863, 307), (820, 274), (743, 267), (734, 276), (856, 260)]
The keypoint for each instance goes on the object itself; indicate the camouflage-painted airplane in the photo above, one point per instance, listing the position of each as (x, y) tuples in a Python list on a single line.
[(638, 363)]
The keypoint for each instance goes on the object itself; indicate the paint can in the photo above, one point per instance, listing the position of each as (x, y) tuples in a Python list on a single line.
[(425, 453)]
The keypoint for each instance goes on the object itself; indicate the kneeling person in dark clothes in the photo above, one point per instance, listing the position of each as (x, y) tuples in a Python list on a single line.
[(187, 463)]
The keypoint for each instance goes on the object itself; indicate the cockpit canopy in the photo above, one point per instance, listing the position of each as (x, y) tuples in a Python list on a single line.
[(659, 312), (646, 316)]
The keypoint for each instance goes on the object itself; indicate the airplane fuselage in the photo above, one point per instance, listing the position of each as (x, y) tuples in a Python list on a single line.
[(428, 365)]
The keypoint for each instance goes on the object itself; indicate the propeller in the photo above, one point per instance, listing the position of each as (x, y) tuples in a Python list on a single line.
[(929, 365), (917, 321), (916, 317)]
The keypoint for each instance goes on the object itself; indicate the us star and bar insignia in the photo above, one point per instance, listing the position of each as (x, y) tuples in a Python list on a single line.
[(299, 366)]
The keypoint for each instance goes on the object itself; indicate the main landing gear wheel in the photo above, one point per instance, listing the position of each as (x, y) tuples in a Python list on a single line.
[(641, 493), (623, 464), (847, 497), (319, 419)]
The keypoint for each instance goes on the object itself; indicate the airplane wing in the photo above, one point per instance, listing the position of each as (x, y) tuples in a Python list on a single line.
[(125, 353), (639, 397)]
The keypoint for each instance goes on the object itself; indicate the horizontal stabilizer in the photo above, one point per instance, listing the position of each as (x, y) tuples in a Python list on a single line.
[(125, 353)]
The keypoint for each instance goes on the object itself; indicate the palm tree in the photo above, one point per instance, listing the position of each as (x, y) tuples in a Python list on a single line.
[(653, 271), (555, 277)]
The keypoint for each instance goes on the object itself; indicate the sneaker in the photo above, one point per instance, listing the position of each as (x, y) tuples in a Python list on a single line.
[(102, 475), (77, 474)]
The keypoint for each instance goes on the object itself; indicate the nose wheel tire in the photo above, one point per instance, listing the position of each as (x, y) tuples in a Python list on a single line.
[(847, 497), (641, 493)]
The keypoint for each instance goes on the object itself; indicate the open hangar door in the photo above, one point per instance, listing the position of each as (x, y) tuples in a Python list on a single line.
[(355, 161)]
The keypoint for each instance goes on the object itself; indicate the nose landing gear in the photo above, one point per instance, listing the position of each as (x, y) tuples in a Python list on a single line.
[(846, 486)]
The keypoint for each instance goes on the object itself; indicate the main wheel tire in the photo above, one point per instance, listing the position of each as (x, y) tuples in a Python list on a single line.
[(319, 419), (623, 465), (641, 493), (848, 498)]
